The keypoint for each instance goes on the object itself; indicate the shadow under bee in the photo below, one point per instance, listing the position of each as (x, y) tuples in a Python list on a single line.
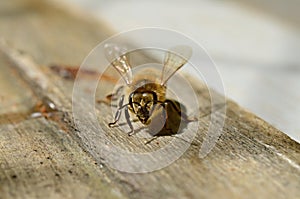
[(170, 120)]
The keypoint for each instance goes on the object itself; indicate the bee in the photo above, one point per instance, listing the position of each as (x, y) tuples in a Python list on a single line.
[(146, 92)]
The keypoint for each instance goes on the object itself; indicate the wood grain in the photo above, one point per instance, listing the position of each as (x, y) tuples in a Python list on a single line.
[(50, 157)]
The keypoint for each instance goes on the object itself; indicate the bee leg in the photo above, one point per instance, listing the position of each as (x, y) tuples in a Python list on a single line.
[(114, 96), (150, 140), (118, 113), (179, 112), (127, 116)]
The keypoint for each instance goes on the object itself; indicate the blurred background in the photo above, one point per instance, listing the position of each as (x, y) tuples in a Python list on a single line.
[(255, 45)]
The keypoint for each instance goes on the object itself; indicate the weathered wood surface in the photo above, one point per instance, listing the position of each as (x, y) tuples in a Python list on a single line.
[(47, 158)]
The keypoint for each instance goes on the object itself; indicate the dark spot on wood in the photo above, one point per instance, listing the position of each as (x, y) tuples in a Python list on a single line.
[(14, 176)]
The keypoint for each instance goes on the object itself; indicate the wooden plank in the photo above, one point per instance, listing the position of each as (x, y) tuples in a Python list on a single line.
[(37, 156), (39, 160), (250, 152), (13, 99), (251, 158)]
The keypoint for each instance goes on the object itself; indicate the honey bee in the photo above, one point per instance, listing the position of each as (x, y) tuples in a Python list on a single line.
[(146, 92)]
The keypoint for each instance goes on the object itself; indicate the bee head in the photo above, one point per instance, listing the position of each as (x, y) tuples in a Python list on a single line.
[(142, 104)]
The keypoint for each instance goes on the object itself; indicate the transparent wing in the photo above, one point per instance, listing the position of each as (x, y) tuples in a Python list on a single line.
[(117, 56), (174, 60)]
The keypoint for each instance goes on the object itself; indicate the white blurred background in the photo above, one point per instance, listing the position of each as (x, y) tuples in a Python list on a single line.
[(255, 45)]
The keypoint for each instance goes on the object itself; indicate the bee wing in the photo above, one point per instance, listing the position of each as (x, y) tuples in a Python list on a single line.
[(174, 60), (117, 56)]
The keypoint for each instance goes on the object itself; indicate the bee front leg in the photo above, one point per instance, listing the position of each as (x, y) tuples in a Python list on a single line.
[(118, 113), (127, 116)]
